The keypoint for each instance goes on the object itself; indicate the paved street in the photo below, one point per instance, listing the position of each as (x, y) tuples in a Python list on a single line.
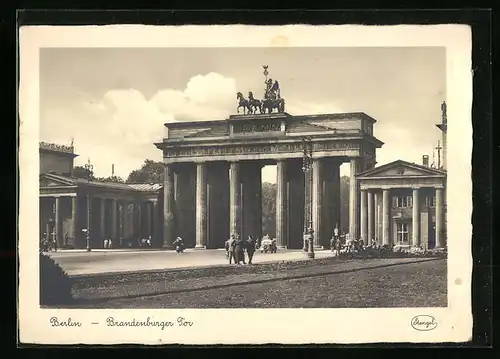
[(112, 261)]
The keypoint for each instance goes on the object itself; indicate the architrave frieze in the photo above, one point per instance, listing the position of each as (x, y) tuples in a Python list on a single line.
[(406, 182), (56, 194), (267, 148)]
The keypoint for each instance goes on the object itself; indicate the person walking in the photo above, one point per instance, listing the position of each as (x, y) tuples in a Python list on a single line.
[(250, 245), (230, 249), (239, 247)]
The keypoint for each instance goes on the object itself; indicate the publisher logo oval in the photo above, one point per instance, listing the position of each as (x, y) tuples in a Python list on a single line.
[(424, 323)]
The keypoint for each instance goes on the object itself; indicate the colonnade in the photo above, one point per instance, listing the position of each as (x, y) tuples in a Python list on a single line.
[(376, 220), (205, 202), (106, 217)]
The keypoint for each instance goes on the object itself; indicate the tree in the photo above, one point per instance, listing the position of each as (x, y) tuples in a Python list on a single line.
[(82, 172), (115, 179), (150, 172), (269, 209)]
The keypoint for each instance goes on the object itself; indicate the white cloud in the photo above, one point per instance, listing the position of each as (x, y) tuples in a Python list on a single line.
[(121, 128)]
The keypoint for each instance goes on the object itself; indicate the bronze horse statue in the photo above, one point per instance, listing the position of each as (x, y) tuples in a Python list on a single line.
[(243, 102), (254, 103)]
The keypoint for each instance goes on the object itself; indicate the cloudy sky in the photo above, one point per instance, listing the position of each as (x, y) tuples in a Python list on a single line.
[(114, 101)]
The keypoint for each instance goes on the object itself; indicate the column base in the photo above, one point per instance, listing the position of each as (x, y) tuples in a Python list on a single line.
[(167, 246), (200, 247)]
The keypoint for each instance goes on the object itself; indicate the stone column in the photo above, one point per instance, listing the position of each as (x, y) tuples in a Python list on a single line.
[(114, 220), (281, 205), (258, 202), (440, 240), (317, 201), (123, 219), (371, 219), (234, 198), (201, 205), (156, 228), (376, 199), (149, 219), (89, 216), (57, 223), (415, 225), (364, 216), (74, 220), (103, 218), (337, 204), (353, 198), (140, 224), (386, 240), (168, 207), (380, 217)]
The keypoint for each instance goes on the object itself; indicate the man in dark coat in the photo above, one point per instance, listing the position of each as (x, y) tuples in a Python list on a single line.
[(239, 246), (250, 246)]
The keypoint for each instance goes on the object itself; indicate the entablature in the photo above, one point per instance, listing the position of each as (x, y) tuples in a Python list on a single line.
[(399, 182)]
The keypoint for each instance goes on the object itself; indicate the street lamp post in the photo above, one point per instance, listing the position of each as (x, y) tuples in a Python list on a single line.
[(90, 173), (307, 168)]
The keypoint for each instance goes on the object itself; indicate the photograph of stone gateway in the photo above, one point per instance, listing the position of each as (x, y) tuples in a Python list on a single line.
[(253, 176)]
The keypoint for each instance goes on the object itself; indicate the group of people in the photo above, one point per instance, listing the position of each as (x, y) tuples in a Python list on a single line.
[(350, 244), (236, 248)]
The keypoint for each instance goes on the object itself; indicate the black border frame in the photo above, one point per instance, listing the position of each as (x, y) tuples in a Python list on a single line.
[(482, 169)]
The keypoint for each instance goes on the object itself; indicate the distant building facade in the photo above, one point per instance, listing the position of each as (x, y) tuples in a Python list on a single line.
[(123, 212), (403, 203)]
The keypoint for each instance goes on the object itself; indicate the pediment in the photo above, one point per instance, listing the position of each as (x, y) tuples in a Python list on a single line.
[(47, 180), (401, 169)]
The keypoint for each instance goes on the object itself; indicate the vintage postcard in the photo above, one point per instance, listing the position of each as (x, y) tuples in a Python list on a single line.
[(299, 181)]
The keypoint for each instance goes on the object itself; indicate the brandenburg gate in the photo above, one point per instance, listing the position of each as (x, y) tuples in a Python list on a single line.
[(213, 172), (213, 175)]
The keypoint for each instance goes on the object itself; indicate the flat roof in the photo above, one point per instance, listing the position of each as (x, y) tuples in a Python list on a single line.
[(283, 115)]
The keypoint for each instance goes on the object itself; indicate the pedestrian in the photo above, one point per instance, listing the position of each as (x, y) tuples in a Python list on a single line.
[(179, 245), (230, 249), (337, 247), (250, 245), (239, 247)]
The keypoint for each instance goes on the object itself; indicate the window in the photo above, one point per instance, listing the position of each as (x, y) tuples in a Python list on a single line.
[(402, 201), (402, 232), (430, 201)]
